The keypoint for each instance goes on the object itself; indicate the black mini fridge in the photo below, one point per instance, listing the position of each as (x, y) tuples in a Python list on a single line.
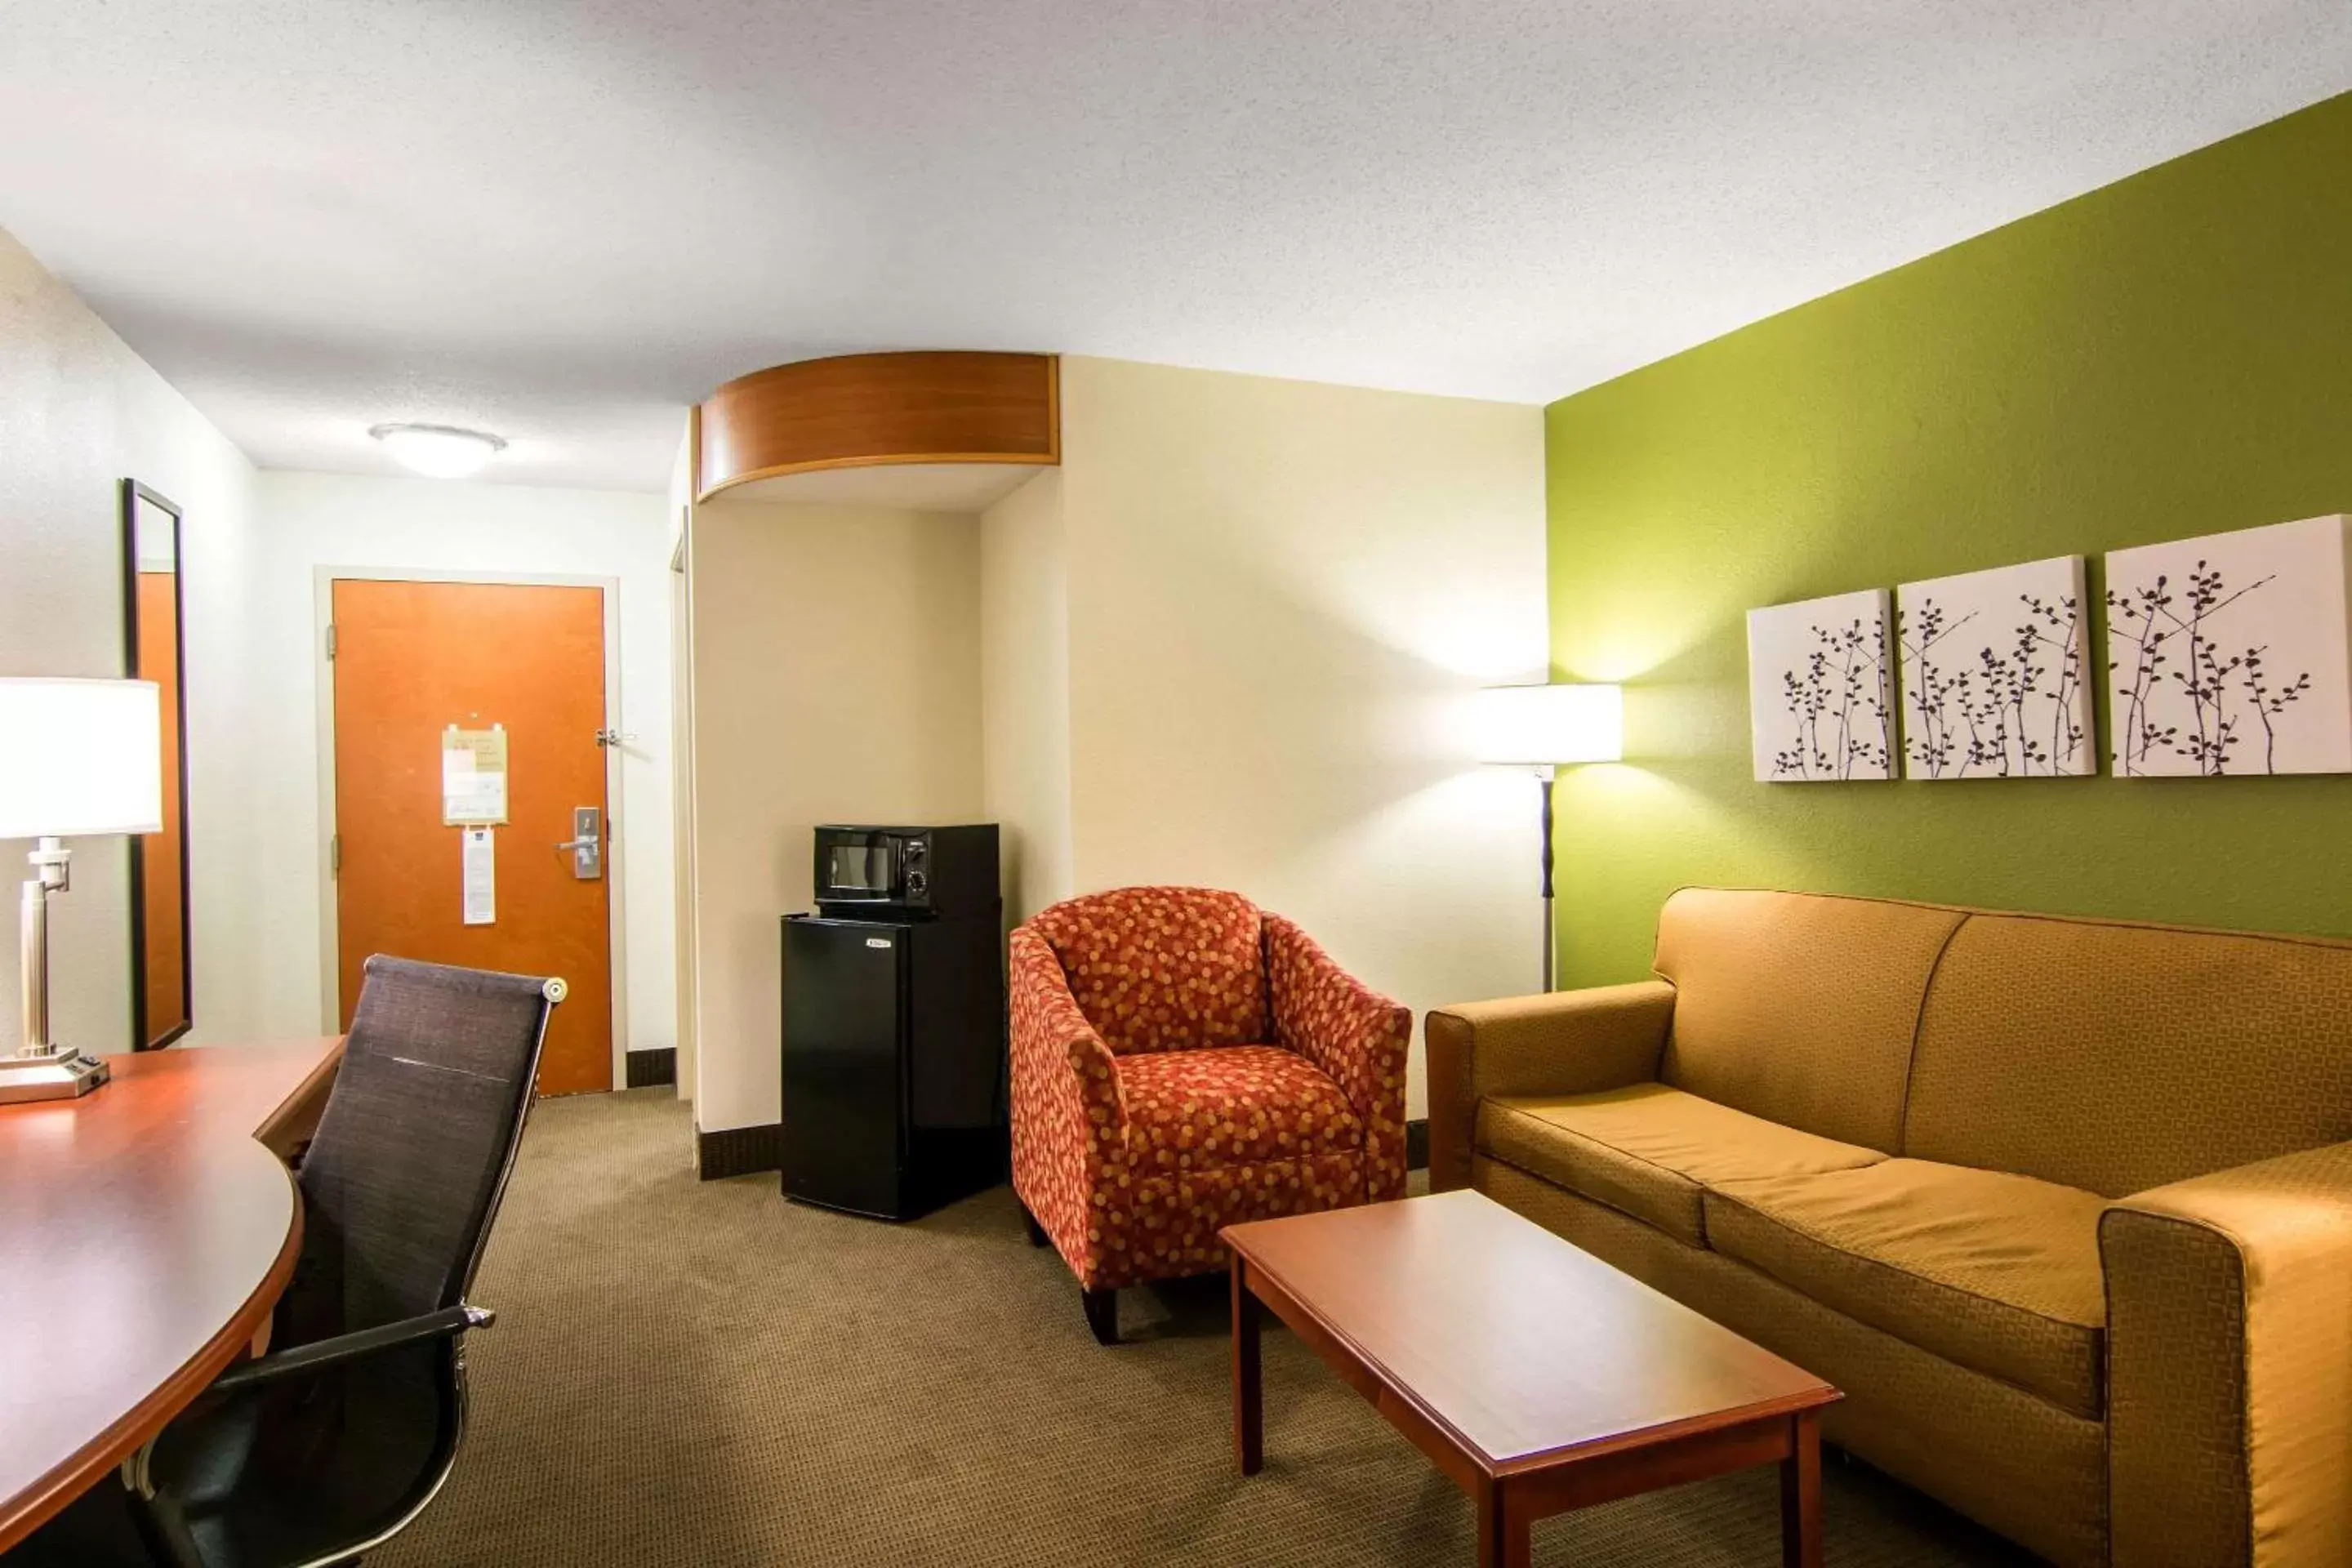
[(894, 1061)]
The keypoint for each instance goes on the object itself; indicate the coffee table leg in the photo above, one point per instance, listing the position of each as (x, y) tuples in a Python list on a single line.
[(1505, 1537), (1249, 1398), (1800, 1494)]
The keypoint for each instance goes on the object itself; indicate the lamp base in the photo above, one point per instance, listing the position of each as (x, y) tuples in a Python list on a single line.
[(60, 1073)]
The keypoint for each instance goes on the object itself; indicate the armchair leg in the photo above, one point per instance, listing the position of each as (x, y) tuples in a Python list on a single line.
[(1102, 1314), (1038, 1236)]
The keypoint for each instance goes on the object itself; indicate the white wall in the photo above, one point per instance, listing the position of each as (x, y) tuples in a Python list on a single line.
[(680, 503), (1280, 596), (79, 412), (307, 521), (1025, 683), (835, 678)]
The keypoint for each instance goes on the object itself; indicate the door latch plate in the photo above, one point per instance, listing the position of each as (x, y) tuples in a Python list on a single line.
[(586, 843)]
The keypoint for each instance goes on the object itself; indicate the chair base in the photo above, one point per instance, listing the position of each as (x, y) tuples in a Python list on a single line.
[(1102, 1314)]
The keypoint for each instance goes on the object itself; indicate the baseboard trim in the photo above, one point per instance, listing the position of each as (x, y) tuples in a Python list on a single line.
[(739, 1151), (647, 1069)]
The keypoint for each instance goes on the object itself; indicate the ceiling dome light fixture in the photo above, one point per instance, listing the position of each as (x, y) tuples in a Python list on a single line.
[(444, 451)]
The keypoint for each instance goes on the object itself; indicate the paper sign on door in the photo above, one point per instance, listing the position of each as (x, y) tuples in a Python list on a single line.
[(480, 878), (473, 776)]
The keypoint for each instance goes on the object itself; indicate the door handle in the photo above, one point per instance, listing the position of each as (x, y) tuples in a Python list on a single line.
[(586, 845)]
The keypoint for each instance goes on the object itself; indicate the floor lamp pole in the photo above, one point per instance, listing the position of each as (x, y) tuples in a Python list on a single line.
[(1544, 775)]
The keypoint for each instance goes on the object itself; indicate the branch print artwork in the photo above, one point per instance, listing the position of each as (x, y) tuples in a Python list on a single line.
[(2232, 653), (1994, 674), (1820, 690)]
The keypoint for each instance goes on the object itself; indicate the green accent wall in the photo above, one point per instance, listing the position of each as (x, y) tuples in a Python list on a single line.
[(2167, 356)]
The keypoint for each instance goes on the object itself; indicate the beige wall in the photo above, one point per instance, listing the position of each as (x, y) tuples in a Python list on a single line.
[(1280, 596), (1231, 642), (79, 413), (836, 666), (1025, 679)]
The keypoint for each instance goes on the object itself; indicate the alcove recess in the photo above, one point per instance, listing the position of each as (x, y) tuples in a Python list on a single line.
[(828, 607), (940, 431)]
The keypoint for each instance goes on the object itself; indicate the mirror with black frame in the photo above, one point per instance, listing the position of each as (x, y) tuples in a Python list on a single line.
[(153, 649)]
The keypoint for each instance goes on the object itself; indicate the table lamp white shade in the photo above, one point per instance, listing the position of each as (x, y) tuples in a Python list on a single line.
[(1537, 725), (79, 757)]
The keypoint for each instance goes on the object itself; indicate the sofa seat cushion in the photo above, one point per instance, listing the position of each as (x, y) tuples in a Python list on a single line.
[(1648, 1150), (1996, 1272), (1231, 1105)]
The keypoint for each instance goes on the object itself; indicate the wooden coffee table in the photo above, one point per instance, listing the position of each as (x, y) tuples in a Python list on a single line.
[(1538, 1377)]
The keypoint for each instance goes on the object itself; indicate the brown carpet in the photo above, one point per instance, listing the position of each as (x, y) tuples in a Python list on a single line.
[(701, 1373)]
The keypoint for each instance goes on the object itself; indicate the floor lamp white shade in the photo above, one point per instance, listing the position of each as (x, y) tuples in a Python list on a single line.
[(77, 758), (1542, 727)]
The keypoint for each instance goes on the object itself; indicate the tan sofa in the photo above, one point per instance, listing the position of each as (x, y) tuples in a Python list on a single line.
[(2062, 1205)]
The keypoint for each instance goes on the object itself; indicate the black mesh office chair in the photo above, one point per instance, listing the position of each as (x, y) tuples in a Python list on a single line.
[(335, 1440)]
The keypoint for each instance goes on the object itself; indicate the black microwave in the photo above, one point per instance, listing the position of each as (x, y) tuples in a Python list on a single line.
[(944, 872)]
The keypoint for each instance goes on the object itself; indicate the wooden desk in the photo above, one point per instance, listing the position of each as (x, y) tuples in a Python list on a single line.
[(146, 1231)]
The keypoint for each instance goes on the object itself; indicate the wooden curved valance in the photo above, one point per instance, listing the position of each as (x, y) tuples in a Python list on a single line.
[(868, 410)]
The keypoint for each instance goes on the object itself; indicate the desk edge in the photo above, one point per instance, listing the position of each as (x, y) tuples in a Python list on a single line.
[(47, 1496)]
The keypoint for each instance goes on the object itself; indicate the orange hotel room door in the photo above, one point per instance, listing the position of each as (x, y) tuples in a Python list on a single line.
[(411, 658)]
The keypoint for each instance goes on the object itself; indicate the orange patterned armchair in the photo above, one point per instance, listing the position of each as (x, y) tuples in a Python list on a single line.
[(1181, 1062)]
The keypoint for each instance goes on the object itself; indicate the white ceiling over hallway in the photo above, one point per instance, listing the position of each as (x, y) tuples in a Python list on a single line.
[(561, 222)]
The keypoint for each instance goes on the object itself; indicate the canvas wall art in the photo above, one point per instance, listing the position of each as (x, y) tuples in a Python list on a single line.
[(1996, 673), (1820, 690), (2232, 653)]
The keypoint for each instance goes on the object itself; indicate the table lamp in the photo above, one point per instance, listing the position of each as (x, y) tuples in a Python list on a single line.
[(77, 758), (1541, 727)]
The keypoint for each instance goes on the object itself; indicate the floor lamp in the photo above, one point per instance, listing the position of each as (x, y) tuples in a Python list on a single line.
[(1543, 727), (77, 758)]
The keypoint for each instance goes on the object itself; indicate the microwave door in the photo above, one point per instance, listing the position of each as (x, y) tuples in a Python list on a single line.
[(861, 868)]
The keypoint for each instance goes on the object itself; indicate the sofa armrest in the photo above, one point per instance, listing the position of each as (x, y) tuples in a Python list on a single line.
[(2229, 1365), (1356, 1036), (1069, 1124), (1568, 1042)]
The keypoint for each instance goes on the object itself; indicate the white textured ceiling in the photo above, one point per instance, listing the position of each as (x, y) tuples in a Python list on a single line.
[(563, 221)]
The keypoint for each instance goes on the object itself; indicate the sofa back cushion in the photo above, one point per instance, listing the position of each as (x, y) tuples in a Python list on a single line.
[(1162, 969), (2117, 1058), (1799, 1007)]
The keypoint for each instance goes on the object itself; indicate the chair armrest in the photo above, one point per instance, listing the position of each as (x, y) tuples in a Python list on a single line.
[(302, 1359), (2229, 1365), (1051, 1032), (1568, 1042), (1067, 1117), (1356, 1036), (159, 1501)]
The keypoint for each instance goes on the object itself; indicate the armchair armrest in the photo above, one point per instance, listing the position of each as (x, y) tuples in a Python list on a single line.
[(2229, 1365), (1356, 1036), (1568, 1042), (305, 1359), (1069, 1124)]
